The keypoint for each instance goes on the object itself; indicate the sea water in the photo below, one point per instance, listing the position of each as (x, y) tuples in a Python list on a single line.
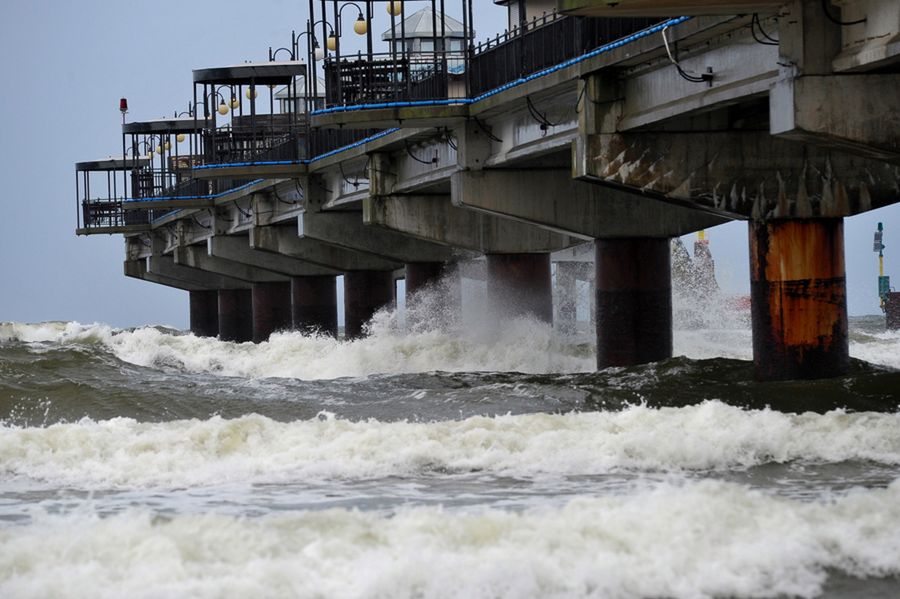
[(440, 462)]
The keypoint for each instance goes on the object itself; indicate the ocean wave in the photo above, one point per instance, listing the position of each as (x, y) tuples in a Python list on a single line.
[(123, 453), (693, 540)]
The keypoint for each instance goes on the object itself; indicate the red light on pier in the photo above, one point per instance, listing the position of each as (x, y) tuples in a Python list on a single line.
[(123, 105)]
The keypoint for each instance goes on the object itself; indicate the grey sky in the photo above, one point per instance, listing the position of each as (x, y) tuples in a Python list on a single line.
[(65, 65)]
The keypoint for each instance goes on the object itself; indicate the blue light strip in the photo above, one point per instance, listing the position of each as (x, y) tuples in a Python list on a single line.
[(521, 81), (419, 103), (206, 197)]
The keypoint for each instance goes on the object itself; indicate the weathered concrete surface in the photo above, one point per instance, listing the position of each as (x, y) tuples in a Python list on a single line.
[(520, 285), (741, 174), (196, 256), (633, 301), (854, 113), (347, 230), (235, 315), (799, 299), (237, 249), (137, 269), (271, 309), (284, 240), (434, 218), (365, 292), (204, 313), (553, 200), (314, 305), (566, 311), (165, 266)]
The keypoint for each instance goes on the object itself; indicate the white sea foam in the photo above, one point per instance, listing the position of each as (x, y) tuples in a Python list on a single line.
[(124, 453), (519, 346), (692, 540)]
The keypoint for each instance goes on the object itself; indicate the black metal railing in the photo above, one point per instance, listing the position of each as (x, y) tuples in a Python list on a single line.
[(389, 77), (106, 214), (257, 139), (322, 141), (543, 43)]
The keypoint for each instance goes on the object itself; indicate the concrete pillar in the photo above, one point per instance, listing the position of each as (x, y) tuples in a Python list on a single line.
[(892, 311), (235, 315), (520, 285), (314, 304), (271, 309), (365, 292), (799, 299), (633, 301), (566, 293), (422, 274), (204, 313)]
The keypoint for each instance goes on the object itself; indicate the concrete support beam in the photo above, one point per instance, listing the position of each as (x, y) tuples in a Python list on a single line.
[(314, 305), (165, 266), (347, 230), (633, 285), (196, 256), (285, 241), (799, 299), (235, 315), (204, 306), (237, 249), (137, 269), (365, 292), (553, 200), (740, 174), (520, 285), (271, 309), (854, 113), (433, 218)]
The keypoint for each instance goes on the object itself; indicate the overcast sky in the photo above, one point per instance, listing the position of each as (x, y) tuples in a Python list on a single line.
[(66, 64)]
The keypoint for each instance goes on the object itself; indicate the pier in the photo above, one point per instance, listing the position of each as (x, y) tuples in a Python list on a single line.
[(623, 125)]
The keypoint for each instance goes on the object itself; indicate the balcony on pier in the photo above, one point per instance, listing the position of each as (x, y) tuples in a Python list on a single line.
[(160, 156), (101, 186), (430, 68)]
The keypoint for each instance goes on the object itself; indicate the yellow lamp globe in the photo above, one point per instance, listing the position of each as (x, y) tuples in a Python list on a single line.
[(235, 103), (159, 149), (168, 145), (251, 94), (331, 43), (179, 138), (361, 26), (395, 8), (223, 108)]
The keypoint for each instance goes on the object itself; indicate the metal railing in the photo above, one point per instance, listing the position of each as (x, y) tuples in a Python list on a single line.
[(391, 77), (261, 139), (543, 43)]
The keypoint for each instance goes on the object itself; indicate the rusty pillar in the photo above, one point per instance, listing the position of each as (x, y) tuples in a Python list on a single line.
[(799, 299), (420, 275), (204, 313), (520, 285), (365, 292), (892, 311), (271, 309), (314, 304), (633, 301), (235, 315)]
